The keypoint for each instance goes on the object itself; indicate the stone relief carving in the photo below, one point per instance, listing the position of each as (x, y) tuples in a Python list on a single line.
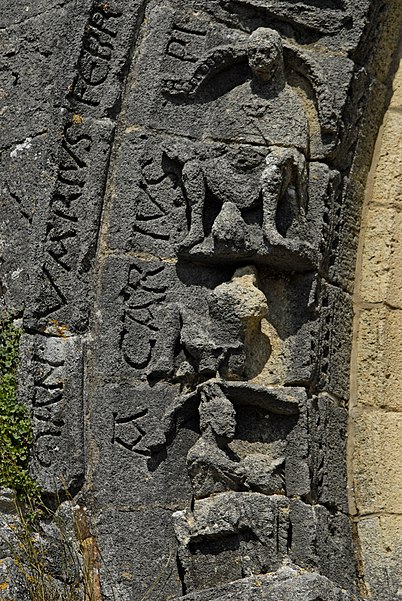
[(226, 306), (261, 205), (199, 246), (245, 189)]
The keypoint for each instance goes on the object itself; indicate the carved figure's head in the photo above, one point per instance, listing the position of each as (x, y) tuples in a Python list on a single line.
[(265, 54), (217, 414)]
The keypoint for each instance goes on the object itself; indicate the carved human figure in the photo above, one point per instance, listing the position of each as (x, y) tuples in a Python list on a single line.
[(223, 338), (213, 467), (265, 121)]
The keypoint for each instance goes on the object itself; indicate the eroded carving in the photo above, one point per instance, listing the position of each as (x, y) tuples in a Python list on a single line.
[(52, 386), (247, 458), (232, 456), (93, 64), (72, 221), (258, 194), (225, 214)]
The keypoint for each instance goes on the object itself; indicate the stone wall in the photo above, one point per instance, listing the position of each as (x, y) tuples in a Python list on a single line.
[(182, 196), (376, 401)]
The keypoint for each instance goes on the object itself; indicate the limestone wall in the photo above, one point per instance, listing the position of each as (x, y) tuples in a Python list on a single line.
[(376, 376)]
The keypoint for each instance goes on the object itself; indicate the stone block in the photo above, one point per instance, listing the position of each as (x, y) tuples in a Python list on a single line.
[(231, 535), (140, 547), (378, 377), (381, 552), (327, 435), (321, 539), (51, 372), (333, 343), (287, 583), (381, 267), (139, 462), (148, 213), (376, 461), (387, 182)]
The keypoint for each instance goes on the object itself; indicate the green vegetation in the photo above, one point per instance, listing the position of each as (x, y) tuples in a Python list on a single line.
[(51, 568), (33, 553), (15, 424)]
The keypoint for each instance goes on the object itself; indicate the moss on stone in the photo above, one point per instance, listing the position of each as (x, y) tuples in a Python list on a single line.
[(15, 424)]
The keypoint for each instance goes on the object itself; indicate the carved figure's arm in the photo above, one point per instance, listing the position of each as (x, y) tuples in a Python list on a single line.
[(208, 66), (311, 70)]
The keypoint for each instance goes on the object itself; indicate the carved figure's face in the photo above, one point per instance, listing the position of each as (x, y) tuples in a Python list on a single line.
[(264, 51)]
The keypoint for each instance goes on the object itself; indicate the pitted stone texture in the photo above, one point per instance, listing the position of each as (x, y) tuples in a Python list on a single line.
[(8, 519), (341, 248), (35, 71), (51, 371), (396, 100), (24, 183), (327, 436), (217, 137), (287, 583), (320, 539), (128, 440), (382, 555), (229, 536), (12, 584), (159, 320), (146, 568), (382, 256), (387, 185), (211, 202), (379, 351), (334, 343), (235, 534), (253, 438), (44, 556), (67, 225), (376, 382), (190, 37), (377, 465), (148, 213), (61, 289)]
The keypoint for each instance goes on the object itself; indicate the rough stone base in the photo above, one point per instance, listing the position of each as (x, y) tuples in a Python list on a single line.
[(284, 585)]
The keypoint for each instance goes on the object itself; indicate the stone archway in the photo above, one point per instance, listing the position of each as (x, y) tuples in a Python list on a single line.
[(375, 459)]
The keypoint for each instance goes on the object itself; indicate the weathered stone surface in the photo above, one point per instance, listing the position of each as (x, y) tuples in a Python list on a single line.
[(128, 443), (287, 583), (396, 98), (12, 585), (381, 538), (381, 266), (51, 369), (334, 340), (159, 319), (147, 567), (378, 375), (190, 237), (376, 469), (35, 71), (327, 446)]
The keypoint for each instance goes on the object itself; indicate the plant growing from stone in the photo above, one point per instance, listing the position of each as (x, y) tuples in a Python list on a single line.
[(15, 425)]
